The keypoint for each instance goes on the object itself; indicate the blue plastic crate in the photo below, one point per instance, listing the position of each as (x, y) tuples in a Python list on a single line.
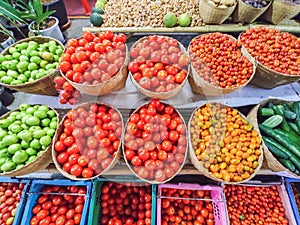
[(292, 196), (94, 213), (36, 187), (22, 202)]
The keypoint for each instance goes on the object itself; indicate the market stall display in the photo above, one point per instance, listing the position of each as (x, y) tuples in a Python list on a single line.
[(30, 64), (220, 64), (88, 141), (224, 146), (278, 123), (26, 136), (155, 142), (293, 189), (159, 66)]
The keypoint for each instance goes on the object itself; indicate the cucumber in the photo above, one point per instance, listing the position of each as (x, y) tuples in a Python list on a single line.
[(287, 164), (270, 105), (279, 110), (277, 149), (296, 109), (284, 140), (273, 121), (295, 161), (289, 135), (289, 115), (288, 107), (266, 112), (294, 127)]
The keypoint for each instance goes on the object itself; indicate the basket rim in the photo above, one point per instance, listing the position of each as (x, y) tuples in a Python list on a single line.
[(248, 56), (129, 165), (42, 78), (47, 150), (115, 158), (207, 172)]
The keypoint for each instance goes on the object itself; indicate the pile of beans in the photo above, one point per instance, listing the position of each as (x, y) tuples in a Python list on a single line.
[(224, 142), (218, 59), (277, 50), (254, 205), (256, 3)]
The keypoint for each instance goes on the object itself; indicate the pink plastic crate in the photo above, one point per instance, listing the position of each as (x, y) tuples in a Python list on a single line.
[(217, 194)]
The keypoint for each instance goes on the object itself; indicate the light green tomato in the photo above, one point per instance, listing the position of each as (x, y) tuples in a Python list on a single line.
[(24, 106), (31, 151), (3, 133), (25, 135), (40, 75), (53, 125), (2, 58), (12, 50), (4, 153), (16, 82), (59, 51), (41, 114), (24, 144), (53, 48), (2, 73), (21, 46), (37, 60), (51, 132), (31, 159), (23, 58), (27, 73), (34, 128), (12, 149), (37, 134), (8, 166), (32, 66), (4, 123), (16, 55), (30, 110), (6, 80), (12, 73), (15, 128), (45, 122), (20, 157), (22, 78), (10, 139), (45, 140), (43, 63), (22, 66), (19, 166), (52, 114), (35, 144)]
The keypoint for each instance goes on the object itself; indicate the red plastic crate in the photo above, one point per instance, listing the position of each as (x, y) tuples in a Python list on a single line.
[(217, 198)]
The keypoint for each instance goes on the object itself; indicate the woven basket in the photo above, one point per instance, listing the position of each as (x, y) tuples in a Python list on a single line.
[(160, 95), (130, 166), (214, 15), (269, 160), (60, 130), (42, 86), (268, 78), (201, 86), (280, 10), (115, 83), (202, 169), (244, 13), (41, 162)]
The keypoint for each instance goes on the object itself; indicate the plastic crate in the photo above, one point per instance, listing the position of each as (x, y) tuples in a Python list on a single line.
[(283, 196), (22, 202), (94, 213), (292, 196), (36, 187), (218, 200)]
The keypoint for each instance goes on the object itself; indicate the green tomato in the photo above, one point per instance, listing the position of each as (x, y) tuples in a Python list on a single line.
[(47, 56), (24, 58), (34, 128), (12, 50), (16, 82), (31, 151), (22, 78), (33, 53), (40, 153), (16, 55), (24, 106), (24, 126), (21, 115), (59, 51), (9, 57), (20, 156), (45, 122), (39, 133), (32, 66), (2, 74), (4, 123), (53, 48), (33, 121), (4, 153), (41, 114), (20, 166), (25, 135), (45, 141), (22, 66), (24, 144), (43, 63), (53, 125), (2, 161), (12, 73), (27, 73), (35, 144), (11, 118), (8, 166), (2, 58), (37, 60), (15, 128), (51, 114), (12, 149), (6, 80), (21, 46), (43, 108), (10, 139), (11, 64), (31, 159), (50, 132), (40, 75), (3, 133)]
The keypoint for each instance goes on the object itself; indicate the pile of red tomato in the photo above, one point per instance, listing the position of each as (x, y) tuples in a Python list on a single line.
[(158, 64), (155, 141), (277, 50), (64, 208), (218, 59), (183, 207), (67, 93), (10, 196), (89, 140), (125, 204), (254, 205)]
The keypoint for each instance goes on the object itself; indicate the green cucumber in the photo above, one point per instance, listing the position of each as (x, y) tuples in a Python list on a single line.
[(294, 127), (277, 149), (289, 135), (287, 164), (270, 105), (279, 110), (295, 161), (266, 112), (296, 107), (289, 115), (288, 107), (273, 121), (284, 140)]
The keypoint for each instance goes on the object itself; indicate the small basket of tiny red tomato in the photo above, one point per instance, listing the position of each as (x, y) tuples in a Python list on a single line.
[(219, 64), (262, 203), (88, 141), (96, 64), (183, 203), (126, 200), (224, 146), (277, 55), (155, 143), (159, 66), (58, 201)]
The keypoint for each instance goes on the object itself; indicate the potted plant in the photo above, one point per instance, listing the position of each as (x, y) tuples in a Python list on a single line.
[(43, 23), (6, 37)]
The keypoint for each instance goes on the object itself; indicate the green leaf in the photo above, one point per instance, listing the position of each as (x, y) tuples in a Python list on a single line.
[(10, 12)]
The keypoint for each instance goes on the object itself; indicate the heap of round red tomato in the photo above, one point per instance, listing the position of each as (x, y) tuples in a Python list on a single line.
[(93, 58), (10, 196), (183, 208), (254, 205), (89, 141), (158, 64), (125, 204), (64, 208), (218, 59), (155, 141), (277, 50), (67, 93)]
